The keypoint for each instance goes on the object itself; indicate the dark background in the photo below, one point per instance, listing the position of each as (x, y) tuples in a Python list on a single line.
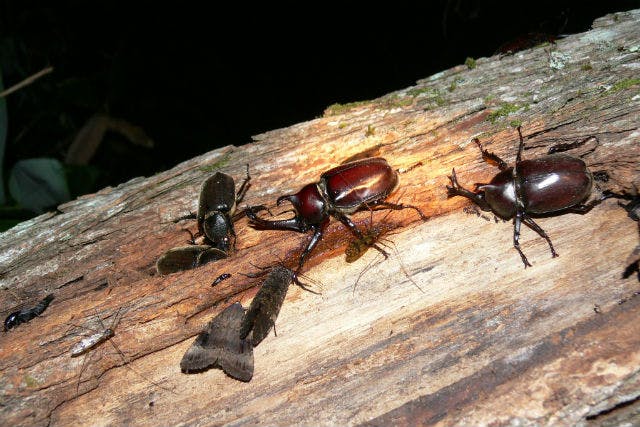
[(196, 78)]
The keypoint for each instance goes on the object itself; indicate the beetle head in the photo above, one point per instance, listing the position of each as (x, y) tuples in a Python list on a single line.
[(500, 199), (309, 204)]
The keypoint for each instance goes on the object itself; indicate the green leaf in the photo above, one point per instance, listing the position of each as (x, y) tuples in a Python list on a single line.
[(3, 138), (38, 184), (81, 179)]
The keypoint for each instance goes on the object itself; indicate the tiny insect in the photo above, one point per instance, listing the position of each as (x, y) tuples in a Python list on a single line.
[(265, 307), (220, 345), (359, 246), (373, 235), (99, 337), (25, 315), (96, 339), (220, 278)]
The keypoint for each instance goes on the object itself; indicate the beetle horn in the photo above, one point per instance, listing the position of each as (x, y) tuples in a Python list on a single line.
[(281, 224)]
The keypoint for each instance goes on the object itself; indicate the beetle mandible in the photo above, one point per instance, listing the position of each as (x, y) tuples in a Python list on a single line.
[(549, 185), (340, 192)]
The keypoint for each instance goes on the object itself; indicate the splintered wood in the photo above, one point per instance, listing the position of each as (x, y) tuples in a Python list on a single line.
[(479, 341)]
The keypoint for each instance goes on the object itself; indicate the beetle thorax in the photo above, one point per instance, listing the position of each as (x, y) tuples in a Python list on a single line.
[(217, 228), (500, 194), (311, 203)]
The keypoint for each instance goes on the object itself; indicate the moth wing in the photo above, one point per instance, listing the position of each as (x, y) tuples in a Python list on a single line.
[(237, 362), (261, 327), (265, 307), (248, 320), (197, 357), (220, 345), (211, 254), (180, 258)]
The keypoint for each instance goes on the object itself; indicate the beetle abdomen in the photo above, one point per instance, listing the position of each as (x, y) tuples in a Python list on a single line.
[(217, 193), (351, 185), (548, 184), (553, 183)]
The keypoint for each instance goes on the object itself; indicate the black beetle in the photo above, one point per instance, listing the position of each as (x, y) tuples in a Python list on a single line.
[(217, 209), (26, 314), (340, 192), (549, 185), (216, 213)]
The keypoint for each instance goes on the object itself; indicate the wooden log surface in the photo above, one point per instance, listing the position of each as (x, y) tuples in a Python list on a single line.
[(476, 339)]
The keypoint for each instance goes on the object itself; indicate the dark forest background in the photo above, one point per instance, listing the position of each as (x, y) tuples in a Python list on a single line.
[(183, 79)]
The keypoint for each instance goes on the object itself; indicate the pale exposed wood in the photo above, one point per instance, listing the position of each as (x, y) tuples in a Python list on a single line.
[(486, 342)]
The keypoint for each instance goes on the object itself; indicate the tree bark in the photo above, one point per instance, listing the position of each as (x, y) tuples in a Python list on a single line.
[(472, 339)]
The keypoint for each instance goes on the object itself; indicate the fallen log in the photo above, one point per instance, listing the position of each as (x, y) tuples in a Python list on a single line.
[(481, 340)]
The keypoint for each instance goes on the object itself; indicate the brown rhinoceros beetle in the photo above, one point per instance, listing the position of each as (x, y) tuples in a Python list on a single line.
[(341, 191), (549, 185)]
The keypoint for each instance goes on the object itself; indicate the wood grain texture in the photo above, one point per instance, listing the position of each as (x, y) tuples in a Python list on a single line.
[(486, 342)]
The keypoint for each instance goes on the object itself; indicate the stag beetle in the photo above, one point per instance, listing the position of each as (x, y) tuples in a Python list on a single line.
[(216, 214), (341, 191), (549, 185)]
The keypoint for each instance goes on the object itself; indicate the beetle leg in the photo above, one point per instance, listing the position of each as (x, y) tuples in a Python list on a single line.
[(294, 224), (491, 158), (516, 238), (192, 236), (559, 148), (318, 231), (237, 215), (354, 229), (583, 208), (189, 216), (535, 227), (349, 224), (302, 285), (243, 187), (400, 206), (232, 231), (632, 208), (457, 190)]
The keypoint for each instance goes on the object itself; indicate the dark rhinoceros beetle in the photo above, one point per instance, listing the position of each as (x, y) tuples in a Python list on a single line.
[(216, 214), (217, 209), (340, 192), (549, 185)]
